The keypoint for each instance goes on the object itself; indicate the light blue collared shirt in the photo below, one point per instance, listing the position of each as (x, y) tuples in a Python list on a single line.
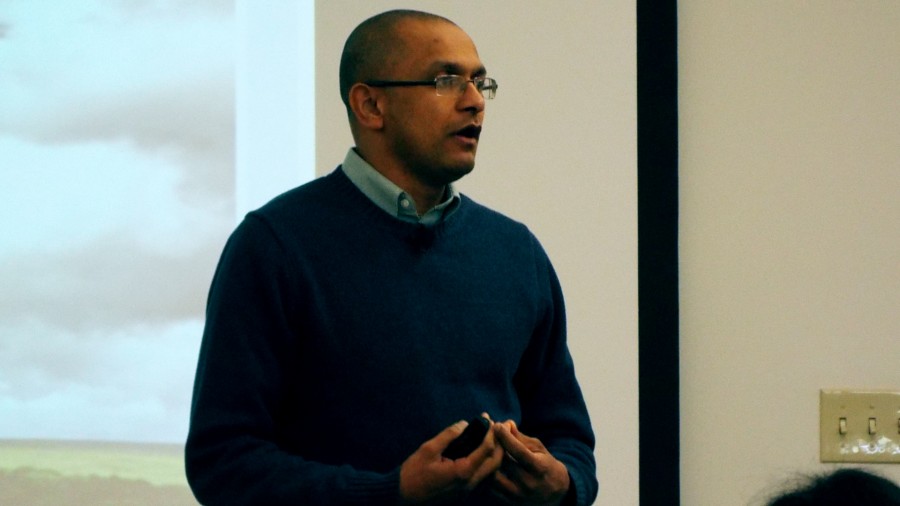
[(390, 197)]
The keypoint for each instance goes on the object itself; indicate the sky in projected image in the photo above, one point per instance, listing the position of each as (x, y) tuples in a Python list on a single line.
[(116, 196)]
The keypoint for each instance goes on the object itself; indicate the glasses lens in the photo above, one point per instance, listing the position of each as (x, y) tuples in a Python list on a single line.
[(487, 87), (449, 85)]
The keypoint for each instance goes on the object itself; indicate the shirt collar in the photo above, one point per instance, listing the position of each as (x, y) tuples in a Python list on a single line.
[(390, 197)]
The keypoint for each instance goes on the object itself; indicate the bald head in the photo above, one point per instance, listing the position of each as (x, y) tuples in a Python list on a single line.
[(374, 46)]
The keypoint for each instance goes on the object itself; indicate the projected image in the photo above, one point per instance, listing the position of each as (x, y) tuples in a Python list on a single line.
[(116, 196)]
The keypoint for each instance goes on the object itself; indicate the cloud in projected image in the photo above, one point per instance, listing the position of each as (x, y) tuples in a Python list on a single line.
[(116, 195)]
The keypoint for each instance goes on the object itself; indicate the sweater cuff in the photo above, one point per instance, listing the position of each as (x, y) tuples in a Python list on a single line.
[(577, 489), (375, 489)]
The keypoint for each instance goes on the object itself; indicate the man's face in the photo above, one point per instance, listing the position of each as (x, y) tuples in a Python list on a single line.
[(434, 138)]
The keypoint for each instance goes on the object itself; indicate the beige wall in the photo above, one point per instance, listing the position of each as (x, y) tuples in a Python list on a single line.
[(789, 232), (558, 153)]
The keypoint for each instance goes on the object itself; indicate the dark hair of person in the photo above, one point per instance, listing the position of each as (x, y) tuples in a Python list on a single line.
[(371, 45), (845, 487)]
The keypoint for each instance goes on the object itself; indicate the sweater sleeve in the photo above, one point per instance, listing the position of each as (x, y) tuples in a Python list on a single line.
[(232, 455), (553, 407)]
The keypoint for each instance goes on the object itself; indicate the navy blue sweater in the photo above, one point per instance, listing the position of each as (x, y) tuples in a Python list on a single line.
[(338, 339)]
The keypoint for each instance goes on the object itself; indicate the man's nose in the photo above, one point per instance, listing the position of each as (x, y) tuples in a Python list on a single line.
[(472, 98)]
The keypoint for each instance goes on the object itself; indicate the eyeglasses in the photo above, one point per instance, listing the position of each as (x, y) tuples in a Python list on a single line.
[(446, 86)]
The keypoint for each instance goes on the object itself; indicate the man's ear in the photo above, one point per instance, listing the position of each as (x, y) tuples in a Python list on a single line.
[(367, 104)]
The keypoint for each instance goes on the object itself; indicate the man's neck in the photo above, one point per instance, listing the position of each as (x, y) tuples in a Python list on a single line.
[(426, 196), (427, 199)]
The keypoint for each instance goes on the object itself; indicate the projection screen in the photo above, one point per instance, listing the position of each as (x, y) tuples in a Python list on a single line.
[(134, 135)]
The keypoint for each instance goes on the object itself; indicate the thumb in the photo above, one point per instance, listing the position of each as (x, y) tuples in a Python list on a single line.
[(452, 432), (440, 442)]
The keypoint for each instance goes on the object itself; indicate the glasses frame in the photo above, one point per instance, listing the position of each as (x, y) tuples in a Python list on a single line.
[(482, 84)]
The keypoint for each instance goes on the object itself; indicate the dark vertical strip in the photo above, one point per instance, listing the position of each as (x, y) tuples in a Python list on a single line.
[(657, 145)]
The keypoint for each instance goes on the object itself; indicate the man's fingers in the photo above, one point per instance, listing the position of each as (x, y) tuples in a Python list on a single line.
[(439, 443), (506, 487), (443, 439), (510, 442), (517, 446)]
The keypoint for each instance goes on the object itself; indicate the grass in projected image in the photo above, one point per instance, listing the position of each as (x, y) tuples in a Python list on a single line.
[(38, 473)]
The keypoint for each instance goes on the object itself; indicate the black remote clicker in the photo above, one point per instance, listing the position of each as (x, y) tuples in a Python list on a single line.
[(470, 439)]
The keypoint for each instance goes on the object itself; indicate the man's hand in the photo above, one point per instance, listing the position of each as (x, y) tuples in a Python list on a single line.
[(530, 474), (426, 477)]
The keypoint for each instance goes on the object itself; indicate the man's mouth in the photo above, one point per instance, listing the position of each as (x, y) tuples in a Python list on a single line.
[(470, 132)]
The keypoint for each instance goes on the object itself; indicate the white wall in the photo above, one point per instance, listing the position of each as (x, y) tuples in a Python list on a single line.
[(789, 233), (559, 153)]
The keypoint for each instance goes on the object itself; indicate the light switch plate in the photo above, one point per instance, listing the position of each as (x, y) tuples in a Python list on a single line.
[(859, 426)]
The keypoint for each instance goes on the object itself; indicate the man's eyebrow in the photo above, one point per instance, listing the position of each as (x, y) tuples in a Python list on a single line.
[(455, 68)]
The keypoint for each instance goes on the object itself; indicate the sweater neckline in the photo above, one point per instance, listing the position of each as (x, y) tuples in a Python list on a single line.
[(377, 216)]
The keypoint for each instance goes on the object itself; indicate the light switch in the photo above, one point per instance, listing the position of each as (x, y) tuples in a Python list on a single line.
[(859, 426)]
